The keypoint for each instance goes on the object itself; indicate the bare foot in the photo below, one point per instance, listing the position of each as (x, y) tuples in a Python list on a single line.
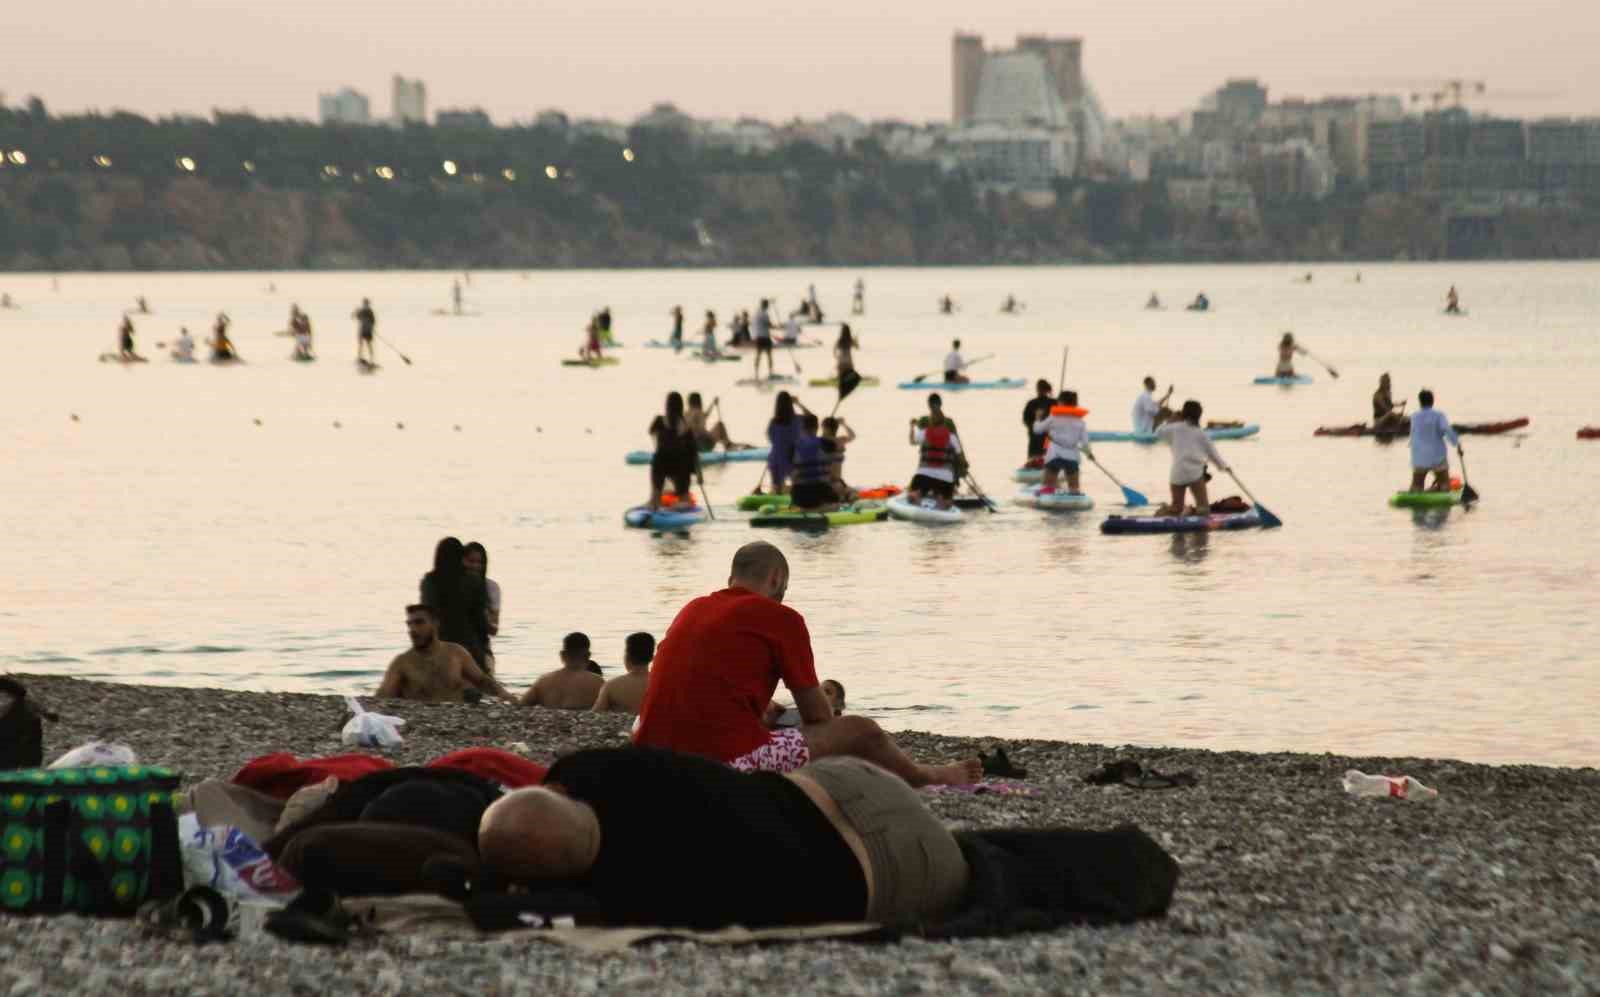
[(963, 773)]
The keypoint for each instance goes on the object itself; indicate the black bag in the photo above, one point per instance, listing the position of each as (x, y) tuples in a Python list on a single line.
[(96, 840), (21, 729)]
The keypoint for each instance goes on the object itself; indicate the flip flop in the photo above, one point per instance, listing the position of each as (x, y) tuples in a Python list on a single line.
[(999, 765)]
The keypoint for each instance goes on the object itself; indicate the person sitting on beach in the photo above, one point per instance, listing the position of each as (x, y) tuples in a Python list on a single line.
[(861, 844), (1191, 448), (434, 671), (720, 663), (624, 693), (572, 686)]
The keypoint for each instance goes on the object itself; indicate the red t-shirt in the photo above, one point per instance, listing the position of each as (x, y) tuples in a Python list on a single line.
[(717, 669)]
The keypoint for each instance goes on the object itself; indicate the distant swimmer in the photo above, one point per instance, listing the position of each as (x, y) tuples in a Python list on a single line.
[(366, 328), (1068, 436), (1287, 348), (1191, 449), (676, 339), (300, 326), (1386, 417), (1154, 304), (125, 347), (1201, 303), (1430, 428), (435, 671), (1307, 278), (141, 306), (953, 364), (1358, 276), (947, 305), (6, 302), (1010, 306), (1452, 302), (221, 346), (1149, 413), (858, 300), (183, 347)]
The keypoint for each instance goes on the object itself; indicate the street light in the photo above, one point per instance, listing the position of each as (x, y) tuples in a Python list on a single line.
[(385, 172), (249, 166), (449, 167), (627, 155), (509, 174), (330, 170), (186, 164), (102, 161), (551, 172), (19, 158)]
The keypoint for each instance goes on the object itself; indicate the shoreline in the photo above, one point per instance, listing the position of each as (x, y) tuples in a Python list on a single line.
[(1287, 884)]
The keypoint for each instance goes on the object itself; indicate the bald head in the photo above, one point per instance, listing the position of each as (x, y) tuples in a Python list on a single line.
[(533, 834), (760, 567)]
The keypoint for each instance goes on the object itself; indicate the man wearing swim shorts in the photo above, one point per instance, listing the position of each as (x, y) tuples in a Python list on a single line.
[(721, 661), (763, 336)]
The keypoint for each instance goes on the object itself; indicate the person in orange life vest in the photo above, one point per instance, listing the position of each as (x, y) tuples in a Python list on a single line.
[(1064, 427), (936, 469)]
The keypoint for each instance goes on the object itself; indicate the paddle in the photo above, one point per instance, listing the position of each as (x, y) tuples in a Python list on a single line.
[(1326, 366), (794, 359), (1468, 493), (1129, 496), (977, 489), (848, 382), (974, 361), (1062, 383), (396, 350), (700, 475), (1267, 518)]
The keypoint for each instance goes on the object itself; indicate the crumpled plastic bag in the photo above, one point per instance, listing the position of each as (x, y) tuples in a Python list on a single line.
[(230, 862), (95, 753), (371, 730)]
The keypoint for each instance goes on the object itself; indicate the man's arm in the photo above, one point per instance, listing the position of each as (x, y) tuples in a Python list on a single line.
[(394, 681), (602, 702), (531, 697), (813, 705), (478, 678)]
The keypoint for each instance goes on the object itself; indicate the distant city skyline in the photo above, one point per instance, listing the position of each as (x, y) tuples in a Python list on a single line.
[(720, 58)]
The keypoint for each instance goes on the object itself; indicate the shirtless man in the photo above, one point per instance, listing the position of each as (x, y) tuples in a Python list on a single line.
[(624, 693), (570, 687), (434, 671)]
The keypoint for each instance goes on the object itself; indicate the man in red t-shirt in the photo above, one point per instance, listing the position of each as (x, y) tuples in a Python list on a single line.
[(721, 661)]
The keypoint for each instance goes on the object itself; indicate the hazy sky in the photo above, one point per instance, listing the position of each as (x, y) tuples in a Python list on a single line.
[(614, 58)]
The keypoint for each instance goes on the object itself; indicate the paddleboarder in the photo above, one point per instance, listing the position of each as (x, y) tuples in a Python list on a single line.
[(677, 453), (708, 348), (676, 339), (1063, 425), (1386, 417), (1287, 348), (762, 329), (953, 363), (221, 345), (1452, 302), (858, 301), (1147, 412), (844, 353), (1191, 449), (125, 347), (1037, 408), (1430, 428), (183, 349), (939, 451), (366, 329)]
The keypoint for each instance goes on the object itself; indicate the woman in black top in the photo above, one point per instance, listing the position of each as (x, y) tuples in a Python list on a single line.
[(677, 455), (459, 599)]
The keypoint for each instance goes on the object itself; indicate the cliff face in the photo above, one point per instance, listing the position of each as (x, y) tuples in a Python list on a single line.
[(97, 222)]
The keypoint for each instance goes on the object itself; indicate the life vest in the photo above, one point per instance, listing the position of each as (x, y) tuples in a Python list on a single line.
[(810, 463), (1068, 410), (936, 447)]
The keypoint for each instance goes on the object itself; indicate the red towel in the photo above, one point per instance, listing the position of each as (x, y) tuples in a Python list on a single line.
[(279, 775)]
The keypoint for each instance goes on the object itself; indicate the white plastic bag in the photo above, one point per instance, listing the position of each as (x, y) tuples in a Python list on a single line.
[(371, 730), (95, 753), (230, 862)]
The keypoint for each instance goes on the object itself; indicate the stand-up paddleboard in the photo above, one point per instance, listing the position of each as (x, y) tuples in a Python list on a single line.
[(1218, 433), (119, 358), (1001, 383), (1182, 524), (1425, 500), (598, 362), (800, 519), (666, 518), (707, 457), (925, 511), (298, 358), (833, 382), (761, 382), (367, 367), (751, 503), (1056, 500), (1284, 381)]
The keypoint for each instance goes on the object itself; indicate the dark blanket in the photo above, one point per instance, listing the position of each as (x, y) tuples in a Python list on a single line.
[(1022, 881), (445, 800)]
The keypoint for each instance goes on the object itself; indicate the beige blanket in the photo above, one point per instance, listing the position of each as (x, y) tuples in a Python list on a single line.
[(430, 915)]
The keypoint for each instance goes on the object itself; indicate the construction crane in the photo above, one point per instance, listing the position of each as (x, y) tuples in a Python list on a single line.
[(1454, 90)]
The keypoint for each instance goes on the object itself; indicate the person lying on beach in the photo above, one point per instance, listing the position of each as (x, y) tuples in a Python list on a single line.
[(624, 693), (720, 663), (573, 686), (434, 671), (868, 849)]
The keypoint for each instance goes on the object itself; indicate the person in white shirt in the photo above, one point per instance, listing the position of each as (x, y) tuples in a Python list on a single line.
[(953, 362), (1064, 427), (1430, 429), (1146, 410), (1191, 449), (791, 328), (183, 349)]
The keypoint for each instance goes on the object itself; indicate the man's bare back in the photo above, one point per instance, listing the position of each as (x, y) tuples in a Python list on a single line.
[(564, 689), (436, 676), (623, 694)]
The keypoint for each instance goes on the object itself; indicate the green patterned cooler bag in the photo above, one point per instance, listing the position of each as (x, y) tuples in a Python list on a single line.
[(95, 840)]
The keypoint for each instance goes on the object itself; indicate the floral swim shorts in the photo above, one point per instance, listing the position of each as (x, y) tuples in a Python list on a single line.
[(785, 752)]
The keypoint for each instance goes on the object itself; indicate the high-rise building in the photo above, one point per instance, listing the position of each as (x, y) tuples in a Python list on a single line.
[(966, 65), (345, 107), (1241, 101), (1037, 85), (410, 102)]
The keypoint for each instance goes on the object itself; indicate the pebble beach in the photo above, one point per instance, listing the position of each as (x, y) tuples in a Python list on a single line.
[(1288, 884)]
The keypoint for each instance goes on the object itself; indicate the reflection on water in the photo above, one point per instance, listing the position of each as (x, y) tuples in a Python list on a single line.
[(166, 535)]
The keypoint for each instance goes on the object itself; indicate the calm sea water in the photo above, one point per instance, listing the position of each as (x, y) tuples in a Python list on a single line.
[(166, 537)]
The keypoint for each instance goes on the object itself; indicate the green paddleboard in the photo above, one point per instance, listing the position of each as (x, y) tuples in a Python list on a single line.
[(1425, 500)]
